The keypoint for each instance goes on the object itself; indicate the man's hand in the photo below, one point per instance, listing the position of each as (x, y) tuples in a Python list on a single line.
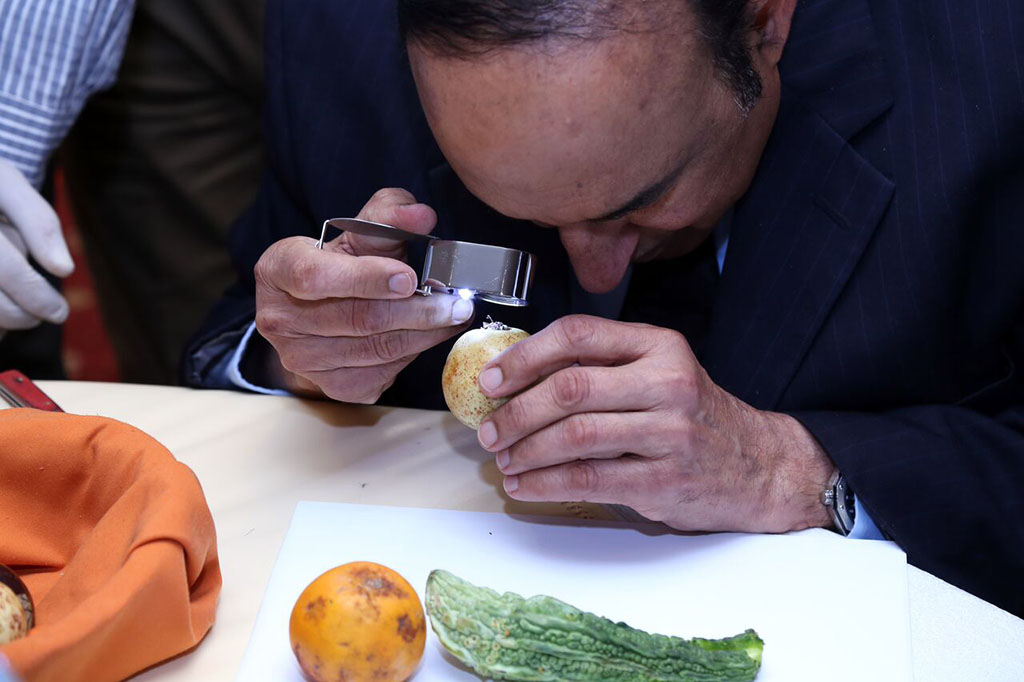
[(622, 413), (344, 321), (31, 227)]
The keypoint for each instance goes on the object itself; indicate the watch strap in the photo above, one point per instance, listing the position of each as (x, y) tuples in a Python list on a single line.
[(838, 497)]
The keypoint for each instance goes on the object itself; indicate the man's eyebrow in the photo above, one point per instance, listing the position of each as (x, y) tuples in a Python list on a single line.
[(643, 198)]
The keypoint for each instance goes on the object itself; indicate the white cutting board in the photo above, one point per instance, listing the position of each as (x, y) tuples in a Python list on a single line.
[(827, 608)]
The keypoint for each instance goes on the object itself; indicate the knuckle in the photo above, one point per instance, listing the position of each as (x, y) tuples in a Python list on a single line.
[(289, 358), (263, 270), (369, 317), (577, 330), (525, 357), (514, 416), (570, 388), (386, 197), (674, 341), (684, 386), (274, 263), (581, 478), (579, 432), (346, 317), (387, 194), (686, 437), (521, 357), (389, 346), (271, 321), (388, 384), (292, 355), (678, 380)]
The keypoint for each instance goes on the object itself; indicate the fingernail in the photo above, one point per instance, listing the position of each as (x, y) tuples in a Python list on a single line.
[(491, 378), (502, 459), (511, 484), (462, 311), (401, 284), (487, 434)]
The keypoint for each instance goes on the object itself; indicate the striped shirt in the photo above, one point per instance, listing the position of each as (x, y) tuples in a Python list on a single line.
[(54, 54)]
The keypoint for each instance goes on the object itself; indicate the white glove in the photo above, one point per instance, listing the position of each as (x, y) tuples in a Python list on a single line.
[(26, 298)]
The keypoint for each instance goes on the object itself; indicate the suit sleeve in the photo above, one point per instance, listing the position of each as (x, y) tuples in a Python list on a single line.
[(945, 482)]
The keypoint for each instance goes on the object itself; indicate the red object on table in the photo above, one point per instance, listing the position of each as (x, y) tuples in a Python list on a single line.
[(18, 390)]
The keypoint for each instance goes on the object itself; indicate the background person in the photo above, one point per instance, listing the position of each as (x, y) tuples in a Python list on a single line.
[(53, 57), (160, 165)]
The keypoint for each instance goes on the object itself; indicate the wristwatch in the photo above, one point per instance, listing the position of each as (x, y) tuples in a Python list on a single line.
[(839, 499)]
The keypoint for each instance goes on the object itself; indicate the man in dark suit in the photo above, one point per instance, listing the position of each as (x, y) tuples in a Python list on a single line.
[(814, 206)]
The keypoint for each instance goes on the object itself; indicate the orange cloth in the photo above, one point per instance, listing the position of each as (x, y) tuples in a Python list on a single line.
[(115, 541)]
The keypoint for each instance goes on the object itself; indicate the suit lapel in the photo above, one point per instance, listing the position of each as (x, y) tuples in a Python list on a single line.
[(799, 232)]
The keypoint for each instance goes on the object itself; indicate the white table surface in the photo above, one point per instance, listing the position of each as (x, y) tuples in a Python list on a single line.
[(257, 456)]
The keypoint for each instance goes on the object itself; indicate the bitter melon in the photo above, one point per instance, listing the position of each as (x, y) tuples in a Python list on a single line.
[(542, 639)]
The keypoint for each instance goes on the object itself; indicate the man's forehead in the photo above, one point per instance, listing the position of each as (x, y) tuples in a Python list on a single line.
[(653, 49), (623, 65), (531, 130)]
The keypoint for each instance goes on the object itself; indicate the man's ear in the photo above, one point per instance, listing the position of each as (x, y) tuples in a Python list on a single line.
[(771, 25)]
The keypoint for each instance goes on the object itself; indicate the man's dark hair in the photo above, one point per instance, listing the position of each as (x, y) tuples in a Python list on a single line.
[(466, 28)]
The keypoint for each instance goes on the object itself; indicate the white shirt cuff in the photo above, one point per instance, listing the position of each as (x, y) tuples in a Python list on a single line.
[(235, 370)]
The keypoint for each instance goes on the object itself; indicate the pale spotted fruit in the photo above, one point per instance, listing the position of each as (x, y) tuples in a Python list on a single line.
[(359, 621), (471, 352), (16, 609)]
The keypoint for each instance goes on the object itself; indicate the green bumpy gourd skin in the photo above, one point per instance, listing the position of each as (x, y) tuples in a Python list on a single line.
[(506, 637)]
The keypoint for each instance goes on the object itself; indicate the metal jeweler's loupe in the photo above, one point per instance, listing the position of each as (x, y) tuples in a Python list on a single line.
[(490, 273)]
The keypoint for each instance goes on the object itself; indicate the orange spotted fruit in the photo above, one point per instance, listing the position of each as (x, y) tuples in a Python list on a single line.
[(359, 621)]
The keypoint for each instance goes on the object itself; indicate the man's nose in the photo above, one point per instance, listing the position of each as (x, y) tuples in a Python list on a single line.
[(600, 253)]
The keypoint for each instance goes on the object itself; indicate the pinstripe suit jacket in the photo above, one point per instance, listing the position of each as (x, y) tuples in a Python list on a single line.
[(874, 284)]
